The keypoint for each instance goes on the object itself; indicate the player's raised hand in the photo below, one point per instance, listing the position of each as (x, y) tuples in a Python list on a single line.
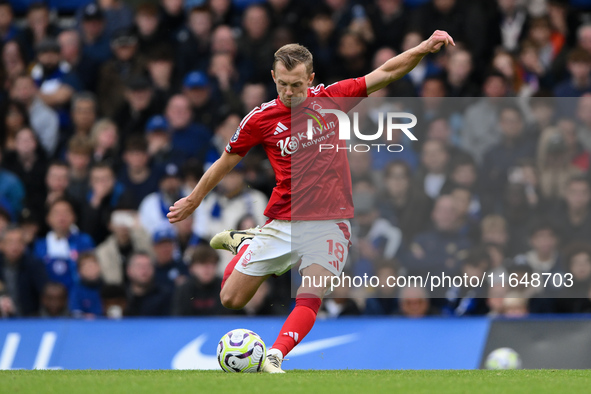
[(437, 40), (181, 210)]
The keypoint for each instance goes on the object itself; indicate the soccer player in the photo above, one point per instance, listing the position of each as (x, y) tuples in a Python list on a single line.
[(325, 187)]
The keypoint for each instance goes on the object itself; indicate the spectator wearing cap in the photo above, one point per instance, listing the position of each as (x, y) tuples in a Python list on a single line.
[(232, 199), (81, 64), (8, 30), (116, 72), (192, 139), (95, 40), (193, 41), (126, 238), (155, 206), (115, 13), (138, 176), (44, 120), (105, 194), (199, 295), (60, 248), (38, 28), (138, 105), (197, 88), (144, 296), (22, 274), (160, 147), (170, 271), (12, 191), (55, 79)]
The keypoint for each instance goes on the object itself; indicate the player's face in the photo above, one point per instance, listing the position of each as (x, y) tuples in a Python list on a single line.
[(292, 86)]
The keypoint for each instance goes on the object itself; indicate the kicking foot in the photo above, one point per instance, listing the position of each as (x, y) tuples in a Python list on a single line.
[(231, 240), (273, 362)]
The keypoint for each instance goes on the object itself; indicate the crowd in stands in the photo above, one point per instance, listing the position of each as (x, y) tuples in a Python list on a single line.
[(110, 116)]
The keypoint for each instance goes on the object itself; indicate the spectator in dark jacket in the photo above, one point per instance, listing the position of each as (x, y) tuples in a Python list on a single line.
[(54, 301), (22, 275), (199, 295), (144, 297)]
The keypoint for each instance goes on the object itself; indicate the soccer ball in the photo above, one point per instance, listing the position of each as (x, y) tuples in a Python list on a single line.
[(503, 358), (241, 350)]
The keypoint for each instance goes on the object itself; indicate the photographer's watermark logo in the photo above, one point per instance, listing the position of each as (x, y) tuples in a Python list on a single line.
[(392, 120)]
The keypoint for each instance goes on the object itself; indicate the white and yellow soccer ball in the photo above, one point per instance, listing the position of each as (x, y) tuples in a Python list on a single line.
[(503, 358), (241, 350)]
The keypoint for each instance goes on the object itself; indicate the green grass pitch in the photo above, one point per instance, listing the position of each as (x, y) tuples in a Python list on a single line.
[(297, 381)]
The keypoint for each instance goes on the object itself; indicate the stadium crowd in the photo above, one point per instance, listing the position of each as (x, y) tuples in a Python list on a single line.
[(110, 115)]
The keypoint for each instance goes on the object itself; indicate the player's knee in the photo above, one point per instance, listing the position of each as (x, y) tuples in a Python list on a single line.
[(230, 301)]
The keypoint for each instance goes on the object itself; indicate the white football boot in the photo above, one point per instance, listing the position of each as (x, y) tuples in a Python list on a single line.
[(273, 362), (232, 240)]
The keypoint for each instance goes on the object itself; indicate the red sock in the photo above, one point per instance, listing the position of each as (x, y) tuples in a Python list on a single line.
[(232, 264), (298, 324)]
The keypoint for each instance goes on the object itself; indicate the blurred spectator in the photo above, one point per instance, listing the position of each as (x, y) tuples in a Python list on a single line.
[(144, 297), (468, 225), (114, 300), (45, 121), (224, 131), (389, 19), (511, 24), (338, 305), (439, 249), (28, 162), (12, 191), (95, 40), (383, 301), (322, 41), (37, 29), (414, 302), (160, 66), (117, 15), (405, 207), (480, 131), (197, 89), (170, 272), (193, 41), (147, 25), (231, 199), (191, 139), (352, 56), (15, 117), (140, 103), (13, 62), (543, 257), (464, 173), (116, 72), (55, 79), (127, 238), (54, 301), (172, 15), (138, 177), (515, 306), (493, 230), (255, 41), (23, 275), (579, 66), (84, 67), (499, 159), (104, 195), (160, 147), (154, 207), (432, 174), (572, 215), (470, 300), (458, 75), (60, 248), (56, 184), (105, 141), (583, 113), (85, 296), (8, 30), (577, 298), (78, 157), (199, 295)]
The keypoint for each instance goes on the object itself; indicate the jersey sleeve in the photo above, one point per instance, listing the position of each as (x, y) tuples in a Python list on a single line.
[(246, 136), (354, 87)]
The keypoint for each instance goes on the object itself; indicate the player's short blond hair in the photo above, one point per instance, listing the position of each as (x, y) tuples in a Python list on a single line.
[(293, 54)]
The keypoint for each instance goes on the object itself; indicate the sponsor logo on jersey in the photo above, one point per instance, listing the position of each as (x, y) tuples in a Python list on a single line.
[(288, 146), (280, 128)]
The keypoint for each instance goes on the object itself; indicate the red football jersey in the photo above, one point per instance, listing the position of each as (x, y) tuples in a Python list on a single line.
[(311, 185)]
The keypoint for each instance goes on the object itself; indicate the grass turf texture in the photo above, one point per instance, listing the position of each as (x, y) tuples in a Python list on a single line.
[(297, 381)]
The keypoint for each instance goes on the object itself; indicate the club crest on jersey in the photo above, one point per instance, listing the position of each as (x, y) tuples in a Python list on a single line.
[(288, 146), (236, 135)]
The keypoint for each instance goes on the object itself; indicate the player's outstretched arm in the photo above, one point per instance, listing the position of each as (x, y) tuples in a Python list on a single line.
[(399, 66), (184, 207)]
